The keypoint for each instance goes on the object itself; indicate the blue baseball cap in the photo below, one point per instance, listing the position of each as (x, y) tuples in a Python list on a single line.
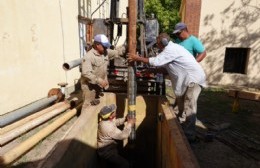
[(102, 39), (179, 27)]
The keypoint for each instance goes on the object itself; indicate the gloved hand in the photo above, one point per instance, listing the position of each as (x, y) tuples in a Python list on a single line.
[(103, 83), (131, 121)]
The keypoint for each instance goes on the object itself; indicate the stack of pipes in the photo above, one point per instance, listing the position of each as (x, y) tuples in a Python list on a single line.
[(25, 119)]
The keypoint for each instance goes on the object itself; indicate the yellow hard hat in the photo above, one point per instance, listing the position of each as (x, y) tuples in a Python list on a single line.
[(106, 111)]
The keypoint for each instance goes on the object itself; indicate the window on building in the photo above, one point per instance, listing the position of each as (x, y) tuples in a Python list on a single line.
[(236, 60)]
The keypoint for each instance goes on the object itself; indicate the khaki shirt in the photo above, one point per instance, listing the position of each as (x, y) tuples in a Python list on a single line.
[(118, 52), (108, 132), (94, 67)]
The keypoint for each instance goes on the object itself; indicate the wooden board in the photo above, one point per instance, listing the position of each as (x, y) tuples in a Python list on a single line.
[(176, 151), (245, 94)]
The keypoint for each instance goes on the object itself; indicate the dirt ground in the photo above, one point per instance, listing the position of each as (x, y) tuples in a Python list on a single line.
[(227, 139)]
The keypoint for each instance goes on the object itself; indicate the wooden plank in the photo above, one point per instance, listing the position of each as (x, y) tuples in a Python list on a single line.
[(249, 95), (159, 136), (178, 147)]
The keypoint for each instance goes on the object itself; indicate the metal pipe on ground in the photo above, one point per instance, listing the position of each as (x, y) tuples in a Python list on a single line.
[(9, 136), (27, 119), (13, 154), (72, 64), (26, 111)]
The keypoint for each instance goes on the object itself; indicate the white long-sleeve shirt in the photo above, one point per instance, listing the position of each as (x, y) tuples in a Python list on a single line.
[(181, 66)]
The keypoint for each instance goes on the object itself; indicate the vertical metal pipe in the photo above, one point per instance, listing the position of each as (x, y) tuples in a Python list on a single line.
[(141, 17), (113, 16), (114, 9), (131, 87)]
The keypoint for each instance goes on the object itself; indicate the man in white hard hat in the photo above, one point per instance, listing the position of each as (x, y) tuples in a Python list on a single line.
[(94, 70)]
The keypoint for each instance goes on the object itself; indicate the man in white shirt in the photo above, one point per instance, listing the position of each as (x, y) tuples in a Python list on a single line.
[(187, 77)]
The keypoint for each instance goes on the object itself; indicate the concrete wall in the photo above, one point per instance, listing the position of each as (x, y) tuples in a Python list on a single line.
[(230, 23), (36, 38)]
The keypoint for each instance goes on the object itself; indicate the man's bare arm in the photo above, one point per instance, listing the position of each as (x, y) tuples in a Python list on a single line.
[(201, 56), (135, 57)]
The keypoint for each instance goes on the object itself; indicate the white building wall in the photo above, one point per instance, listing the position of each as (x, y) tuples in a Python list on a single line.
[(36, 38), (229, 23)]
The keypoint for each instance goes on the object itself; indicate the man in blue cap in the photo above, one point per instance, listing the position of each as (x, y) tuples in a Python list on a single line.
[(108, 134), (94, 71), (189, 42)]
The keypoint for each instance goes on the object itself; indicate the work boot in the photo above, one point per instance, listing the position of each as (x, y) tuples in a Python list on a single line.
[(95, 102)]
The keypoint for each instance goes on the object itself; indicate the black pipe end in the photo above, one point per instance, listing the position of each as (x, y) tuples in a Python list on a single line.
[(66, 66)]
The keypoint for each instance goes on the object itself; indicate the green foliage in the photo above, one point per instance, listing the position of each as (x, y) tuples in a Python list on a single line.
[(166, 11)]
